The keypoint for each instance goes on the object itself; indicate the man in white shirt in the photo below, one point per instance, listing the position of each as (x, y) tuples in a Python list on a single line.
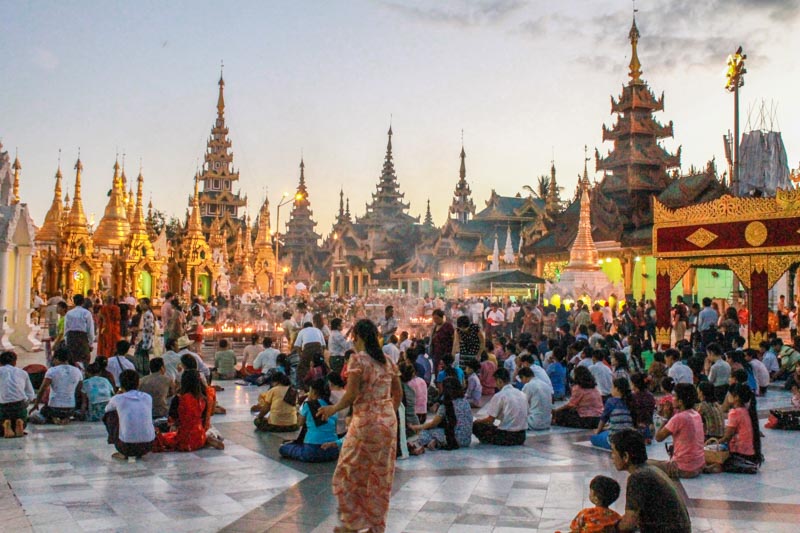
[(79, 331), (250, 353), (602, 375), (510, 407), (267, 358), (171, 359), (540, 399), (388, 324), (495, 320), (310, 340), (129, 419), (391, 350), (63, 381), (759, 371), (15, 393), (679, 372), (120, 362), (405, 341), (183, 348)]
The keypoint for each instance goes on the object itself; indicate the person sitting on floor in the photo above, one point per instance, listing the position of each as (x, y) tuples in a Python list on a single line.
[(189, 416), (119, 362), (225, 361), (688, 436), (96, 391), (128, 419), (585, 405), (315, 432), (540, 399), (617, 414), (16, 391), (474, 387), (713, 420), (64, 383), (159, 386), (603, 491), (277, 410), (510, 407), (451, 426), (742, 432)]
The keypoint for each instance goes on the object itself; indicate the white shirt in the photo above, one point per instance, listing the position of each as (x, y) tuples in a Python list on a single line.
[(770, 361), (135, 411), (171, 360), (540, 403), (497, 316), (541, 374), (15, 385), (116, 365), (391, 351), (79, 319), (338, 343), (603, 376), (760, 372), (201, 366), (307, 335), (405, 345), (681, 373), (266, 359), (510, 407), (63, 380)]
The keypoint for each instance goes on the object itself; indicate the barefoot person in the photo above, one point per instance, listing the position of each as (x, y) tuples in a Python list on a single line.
[(363, 478), (15, 393), (129, 419)]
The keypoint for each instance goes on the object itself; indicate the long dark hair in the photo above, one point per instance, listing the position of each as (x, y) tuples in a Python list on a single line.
[(636, 352), (746, 396), (451, 391), (624, 387), (192, 384), (366, 330), (584, 378)]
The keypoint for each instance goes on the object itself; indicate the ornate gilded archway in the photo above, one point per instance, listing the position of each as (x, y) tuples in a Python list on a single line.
[(757, 238)]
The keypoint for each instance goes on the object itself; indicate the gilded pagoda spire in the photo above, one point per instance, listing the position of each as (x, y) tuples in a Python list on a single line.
[(195, 225), (248, 239), (139, 225), (51, 228), (583, 254), (462, 206), (221, 97), (15, 189), (635, 66), (77, 217), (263, 232), (114, 228)]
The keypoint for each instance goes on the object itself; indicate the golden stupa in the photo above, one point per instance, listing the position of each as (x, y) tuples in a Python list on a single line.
[(114, 228)]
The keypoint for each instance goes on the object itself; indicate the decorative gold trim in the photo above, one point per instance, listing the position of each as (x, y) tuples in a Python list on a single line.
[(778, 264), (663, 336), (729, 209), (756, 337), (702, 237), (755, 233), (740, 265)]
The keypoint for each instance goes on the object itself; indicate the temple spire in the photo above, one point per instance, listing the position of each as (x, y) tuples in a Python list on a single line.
[(635, 66), (51, 228), (77, 217), (462, 206), (583, 253), (138, 224), (195, 225), (347, 209), (15, 188), (221, 97), (114, 228), (585, 178), (428, 218), (552, 201)]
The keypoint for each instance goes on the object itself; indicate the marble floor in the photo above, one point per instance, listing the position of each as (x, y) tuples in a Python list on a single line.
[(63, 479)]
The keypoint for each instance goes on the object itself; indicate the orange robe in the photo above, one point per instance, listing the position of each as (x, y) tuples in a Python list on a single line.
[(191, 433), (109, 330)]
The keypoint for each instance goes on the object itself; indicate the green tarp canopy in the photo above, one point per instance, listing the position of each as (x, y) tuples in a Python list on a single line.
[(497, 278)]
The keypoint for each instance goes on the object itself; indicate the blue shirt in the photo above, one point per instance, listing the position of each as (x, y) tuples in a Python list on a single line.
[(318, 434), (558, 377), (441, 375)]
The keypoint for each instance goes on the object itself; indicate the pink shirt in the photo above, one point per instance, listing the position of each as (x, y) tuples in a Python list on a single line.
[(487, 377), (742, 441), (587, 402), (688, 437), (420, 389)]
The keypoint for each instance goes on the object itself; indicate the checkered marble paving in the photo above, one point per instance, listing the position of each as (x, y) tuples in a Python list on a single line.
[(63, 479)]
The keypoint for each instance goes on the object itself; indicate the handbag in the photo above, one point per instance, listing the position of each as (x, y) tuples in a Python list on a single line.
[(715, 453), (290, 396)]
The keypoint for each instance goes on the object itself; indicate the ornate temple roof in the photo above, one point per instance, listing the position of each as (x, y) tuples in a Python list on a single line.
[(300, 234), (76, 221), (462, 206)]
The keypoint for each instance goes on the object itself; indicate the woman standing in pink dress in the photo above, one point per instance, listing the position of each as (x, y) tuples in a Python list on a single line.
[(363, 479)]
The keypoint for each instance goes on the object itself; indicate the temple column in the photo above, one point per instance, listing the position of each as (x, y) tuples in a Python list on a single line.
[(341, 283), (350, 281), (688, 286), (4, 253), (627, 270), (23, 334), (539, 267), (332, 288), (663, 308), (369, 282), (759, 306), (360, 282), (399, 285)]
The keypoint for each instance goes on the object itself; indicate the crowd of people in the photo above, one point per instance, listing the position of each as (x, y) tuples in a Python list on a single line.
[(361, 389)]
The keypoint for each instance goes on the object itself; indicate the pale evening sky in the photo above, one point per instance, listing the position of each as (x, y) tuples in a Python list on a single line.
[(523, 79)]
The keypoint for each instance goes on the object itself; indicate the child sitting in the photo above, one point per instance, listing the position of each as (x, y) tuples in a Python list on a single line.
[(603, 491)]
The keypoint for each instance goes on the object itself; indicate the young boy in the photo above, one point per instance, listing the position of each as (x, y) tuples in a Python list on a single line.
[(603, 491), (474, 388)]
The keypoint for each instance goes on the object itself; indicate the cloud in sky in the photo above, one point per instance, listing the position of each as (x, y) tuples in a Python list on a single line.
[(459, 13)]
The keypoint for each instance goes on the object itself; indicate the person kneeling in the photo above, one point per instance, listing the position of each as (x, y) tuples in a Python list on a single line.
[(510, 407), (128, 419), (308, 446)]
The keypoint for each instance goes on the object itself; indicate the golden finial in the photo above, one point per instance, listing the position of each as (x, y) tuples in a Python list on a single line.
[(635, 65)]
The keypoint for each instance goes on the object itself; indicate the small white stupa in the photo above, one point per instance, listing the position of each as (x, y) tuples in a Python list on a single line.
[(583, 276)]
